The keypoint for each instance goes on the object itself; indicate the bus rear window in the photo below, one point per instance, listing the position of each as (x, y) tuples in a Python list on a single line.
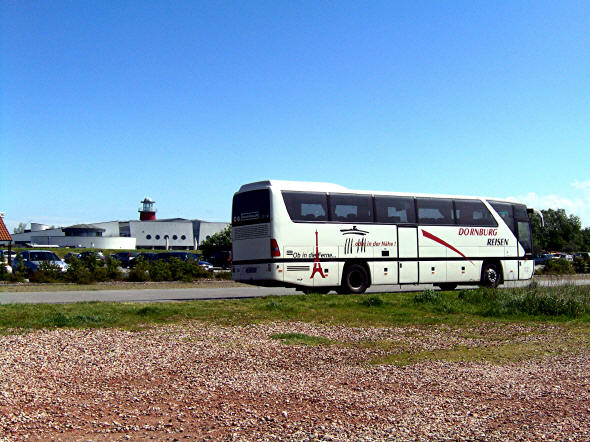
[(251, 207)]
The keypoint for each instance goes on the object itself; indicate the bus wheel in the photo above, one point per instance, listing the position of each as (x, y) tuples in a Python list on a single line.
[(490, 275), (355, 280), (447, 286)]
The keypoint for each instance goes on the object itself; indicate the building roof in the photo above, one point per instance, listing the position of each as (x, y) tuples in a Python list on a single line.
[(4, 234), (84, 227)]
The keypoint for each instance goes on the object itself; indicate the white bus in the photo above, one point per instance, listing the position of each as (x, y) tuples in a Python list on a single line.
[(319, 237)]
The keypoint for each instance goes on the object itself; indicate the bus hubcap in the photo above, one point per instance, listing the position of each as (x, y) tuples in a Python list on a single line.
[(492, 275)]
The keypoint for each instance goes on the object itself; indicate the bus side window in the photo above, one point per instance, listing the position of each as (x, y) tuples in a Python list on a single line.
[(351, 208), (306, 206), (473, 213), (435, 211), (394, 210), (506, 213)]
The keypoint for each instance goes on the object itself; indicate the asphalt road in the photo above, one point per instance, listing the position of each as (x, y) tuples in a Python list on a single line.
[(166, 295)]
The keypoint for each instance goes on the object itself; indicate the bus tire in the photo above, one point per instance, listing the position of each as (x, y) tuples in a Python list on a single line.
[(447, 286), (355, 279), (490, 275)]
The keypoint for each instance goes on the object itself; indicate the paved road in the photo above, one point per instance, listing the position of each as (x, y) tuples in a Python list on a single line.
[(163, 295)]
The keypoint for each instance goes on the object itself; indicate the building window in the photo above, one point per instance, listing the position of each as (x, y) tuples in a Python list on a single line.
[(157, 236), (148, 237), (183, 237), (175, 237)]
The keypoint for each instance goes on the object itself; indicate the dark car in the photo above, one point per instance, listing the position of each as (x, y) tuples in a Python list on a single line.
[(541, 259), (71, 255), (221, 259), (143, 256), (125, 258), (91, 254), (183, 256)]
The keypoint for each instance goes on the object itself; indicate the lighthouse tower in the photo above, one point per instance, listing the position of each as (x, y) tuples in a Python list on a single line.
[(147, 212)]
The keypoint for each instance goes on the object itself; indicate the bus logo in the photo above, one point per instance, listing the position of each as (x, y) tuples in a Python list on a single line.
[(317, 266), (354, 231)]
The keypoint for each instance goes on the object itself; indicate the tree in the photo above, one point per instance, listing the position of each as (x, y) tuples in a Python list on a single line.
[(560, 232), (217, 242), (586, 240), (20, 228)]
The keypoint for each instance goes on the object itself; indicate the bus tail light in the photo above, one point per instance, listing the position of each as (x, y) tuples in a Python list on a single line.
[(274, 248)]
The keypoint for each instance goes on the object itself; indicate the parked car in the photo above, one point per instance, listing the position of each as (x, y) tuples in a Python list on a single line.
[(125, 258), (221, 259), (32, 260), (560, 255), (92, 254), (583, 255), (541, 259), (206, 265), (143, 256), (183, 256), (71, 255), (4, 255)]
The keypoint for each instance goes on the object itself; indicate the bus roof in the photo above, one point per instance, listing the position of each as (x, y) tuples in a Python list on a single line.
[(310, 186)]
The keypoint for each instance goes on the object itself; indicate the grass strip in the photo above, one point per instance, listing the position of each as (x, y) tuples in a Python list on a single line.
[(576, 340), (427, 308)]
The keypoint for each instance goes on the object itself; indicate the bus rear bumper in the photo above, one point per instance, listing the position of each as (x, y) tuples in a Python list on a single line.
[(266, 274)]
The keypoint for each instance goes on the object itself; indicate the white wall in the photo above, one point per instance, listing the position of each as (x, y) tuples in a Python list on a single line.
[(152, 233), (97, 242), (111, 228), (206, 229), (28, 235)]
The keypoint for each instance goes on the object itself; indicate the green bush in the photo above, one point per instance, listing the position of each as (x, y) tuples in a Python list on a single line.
[(582, 265), (195, 271), (140, 272), (372, 301), (569, 301), (558, 267), (159, 270), (47, 272), (223, 276), (427, 297), (112, 269), (78, 273), (9, 277)]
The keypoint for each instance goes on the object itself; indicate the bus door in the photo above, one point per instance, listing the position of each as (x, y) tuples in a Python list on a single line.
[(407, 240), (526, 262)]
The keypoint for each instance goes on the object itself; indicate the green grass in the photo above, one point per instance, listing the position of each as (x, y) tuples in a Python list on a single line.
[(501, 326), (573, 340), (427, 308)]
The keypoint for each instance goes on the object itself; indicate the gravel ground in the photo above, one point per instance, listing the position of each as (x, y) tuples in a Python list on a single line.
[(201, 381)]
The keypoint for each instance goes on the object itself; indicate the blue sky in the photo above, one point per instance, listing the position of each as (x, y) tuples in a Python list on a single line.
[(104, 103)]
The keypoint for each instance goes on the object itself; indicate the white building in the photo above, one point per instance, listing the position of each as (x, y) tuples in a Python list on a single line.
[(147, 233), (177, 234)]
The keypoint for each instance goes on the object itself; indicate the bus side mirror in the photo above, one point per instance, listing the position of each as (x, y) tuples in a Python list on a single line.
[(537, 212)]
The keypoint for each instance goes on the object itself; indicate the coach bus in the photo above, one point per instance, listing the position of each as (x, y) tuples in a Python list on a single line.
[(319, 237)]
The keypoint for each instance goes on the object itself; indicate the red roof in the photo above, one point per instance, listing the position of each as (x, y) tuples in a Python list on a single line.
[(4, 235)]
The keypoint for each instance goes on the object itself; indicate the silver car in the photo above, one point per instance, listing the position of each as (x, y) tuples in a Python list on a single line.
[(32, 259)]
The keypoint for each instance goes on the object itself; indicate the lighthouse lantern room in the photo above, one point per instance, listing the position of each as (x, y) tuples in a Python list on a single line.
[(147, 212)]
